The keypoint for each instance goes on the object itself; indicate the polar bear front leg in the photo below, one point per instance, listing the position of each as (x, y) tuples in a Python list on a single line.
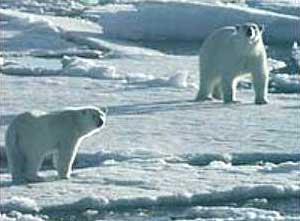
[(205, 90), (229, 90), (260, 77), (217, 92), (65, 160)]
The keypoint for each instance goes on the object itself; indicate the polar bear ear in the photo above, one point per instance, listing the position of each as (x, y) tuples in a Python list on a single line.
[(104, 110), (237, 27), (261, 28)]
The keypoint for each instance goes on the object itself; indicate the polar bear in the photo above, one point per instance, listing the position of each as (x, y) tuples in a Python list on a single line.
[(34, 135), (229, 53)]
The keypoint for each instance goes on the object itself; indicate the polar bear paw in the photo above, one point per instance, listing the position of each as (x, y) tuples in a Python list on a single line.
[(34, 179), (261, 102)]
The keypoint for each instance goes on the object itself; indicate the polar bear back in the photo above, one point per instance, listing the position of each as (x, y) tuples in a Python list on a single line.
[(45, 128)]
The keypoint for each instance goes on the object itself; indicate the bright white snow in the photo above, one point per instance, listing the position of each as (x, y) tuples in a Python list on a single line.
[(160, 150)]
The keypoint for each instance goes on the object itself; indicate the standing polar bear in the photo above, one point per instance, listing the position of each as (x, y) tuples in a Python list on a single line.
[(229, 53), (34, 135)]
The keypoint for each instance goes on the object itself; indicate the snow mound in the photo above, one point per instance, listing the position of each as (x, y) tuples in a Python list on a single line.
[(14, 68), (71, 66), (285, 83), (167, 21), (21, 204), (178, 80), (274, 64), (236, 194), (74, 66)]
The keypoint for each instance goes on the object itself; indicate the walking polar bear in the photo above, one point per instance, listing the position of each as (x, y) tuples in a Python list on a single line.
[(229, 53), (34, 135)]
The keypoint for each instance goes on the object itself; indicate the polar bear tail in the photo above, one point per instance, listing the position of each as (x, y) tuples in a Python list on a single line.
[(15, 158)]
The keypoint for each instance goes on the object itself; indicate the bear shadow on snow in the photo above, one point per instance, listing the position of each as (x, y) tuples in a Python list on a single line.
[(163, 106)]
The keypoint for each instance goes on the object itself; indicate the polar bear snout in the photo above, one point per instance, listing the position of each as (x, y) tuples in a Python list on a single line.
[(100, 123), (102, 117)]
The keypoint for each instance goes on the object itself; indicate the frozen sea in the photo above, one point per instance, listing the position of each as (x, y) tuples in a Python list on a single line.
[(162, 156)]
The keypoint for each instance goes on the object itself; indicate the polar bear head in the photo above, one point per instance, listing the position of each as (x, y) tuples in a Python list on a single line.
[(249, 34), (90, 119)]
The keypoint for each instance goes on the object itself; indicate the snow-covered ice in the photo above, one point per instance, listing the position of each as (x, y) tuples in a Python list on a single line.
[(168, 21), (161, 156)]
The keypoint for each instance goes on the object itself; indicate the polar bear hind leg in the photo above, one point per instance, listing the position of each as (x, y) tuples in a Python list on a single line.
[(206, 88), (260, 81), (15, 158), (217, 92), (32, 166)]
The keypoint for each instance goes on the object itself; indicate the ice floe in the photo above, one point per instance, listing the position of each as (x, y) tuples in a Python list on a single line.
[(285, 83), (74, 66), (290, 7), (24, 33), (22, 204), (79, 67), (274, 64), (167, 21)]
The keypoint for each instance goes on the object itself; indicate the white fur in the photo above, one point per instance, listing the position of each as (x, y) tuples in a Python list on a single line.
[(33, 135), (229, 53)]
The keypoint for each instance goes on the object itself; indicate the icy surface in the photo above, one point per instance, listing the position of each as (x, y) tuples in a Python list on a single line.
[(22, 204), (17, 216), (162, 156)]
